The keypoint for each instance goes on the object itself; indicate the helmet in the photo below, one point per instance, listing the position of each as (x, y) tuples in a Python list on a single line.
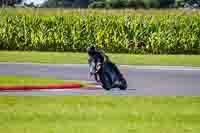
[(91, 50)]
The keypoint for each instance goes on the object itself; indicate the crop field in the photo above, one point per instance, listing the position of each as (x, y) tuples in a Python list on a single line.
[(170, 33)]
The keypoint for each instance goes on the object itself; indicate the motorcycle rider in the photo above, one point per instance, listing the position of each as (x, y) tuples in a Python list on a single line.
[(98, 57)]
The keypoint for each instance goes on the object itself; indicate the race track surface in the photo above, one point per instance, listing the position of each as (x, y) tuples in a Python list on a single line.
[(142, 80)]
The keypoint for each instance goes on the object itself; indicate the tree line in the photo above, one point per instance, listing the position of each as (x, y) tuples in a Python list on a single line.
[(123, 3)]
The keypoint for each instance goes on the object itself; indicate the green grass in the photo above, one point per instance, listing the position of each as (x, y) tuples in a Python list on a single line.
[(99, 114), (99, 12), (81, 58), (24, 80)]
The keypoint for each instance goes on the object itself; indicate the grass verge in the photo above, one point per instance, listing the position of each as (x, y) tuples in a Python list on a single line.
[(81, 58), (96, 12), (23, 80), (100, 114)]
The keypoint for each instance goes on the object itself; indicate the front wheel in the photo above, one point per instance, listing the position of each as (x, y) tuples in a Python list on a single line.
[(106, 81), (106, 88)]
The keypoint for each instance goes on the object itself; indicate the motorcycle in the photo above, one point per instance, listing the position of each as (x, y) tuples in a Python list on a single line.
[(108, 75)]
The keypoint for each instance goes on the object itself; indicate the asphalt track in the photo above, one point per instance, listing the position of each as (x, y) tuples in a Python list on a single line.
[(142, 80)]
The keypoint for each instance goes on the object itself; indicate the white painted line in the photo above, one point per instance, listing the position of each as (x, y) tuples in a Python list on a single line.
[(51, 90), (167, 68)]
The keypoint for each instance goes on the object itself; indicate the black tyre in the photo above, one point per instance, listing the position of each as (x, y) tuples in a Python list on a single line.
[(106, 88), (123, 85)]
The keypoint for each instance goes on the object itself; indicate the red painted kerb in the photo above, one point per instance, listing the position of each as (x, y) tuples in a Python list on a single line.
[(63, 86)]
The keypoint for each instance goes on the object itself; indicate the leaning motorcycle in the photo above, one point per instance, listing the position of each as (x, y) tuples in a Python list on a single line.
[(108, 74)]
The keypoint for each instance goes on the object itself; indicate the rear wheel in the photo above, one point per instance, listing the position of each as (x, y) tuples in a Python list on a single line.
[(123, 85)]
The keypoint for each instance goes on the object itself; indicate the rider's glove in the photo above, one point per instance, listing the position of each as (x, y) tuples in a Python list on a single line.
[(98, 66)]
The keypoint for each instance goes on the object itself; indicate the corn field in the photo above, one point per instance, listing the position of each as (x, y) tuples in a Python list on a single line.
[(117, 34)]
